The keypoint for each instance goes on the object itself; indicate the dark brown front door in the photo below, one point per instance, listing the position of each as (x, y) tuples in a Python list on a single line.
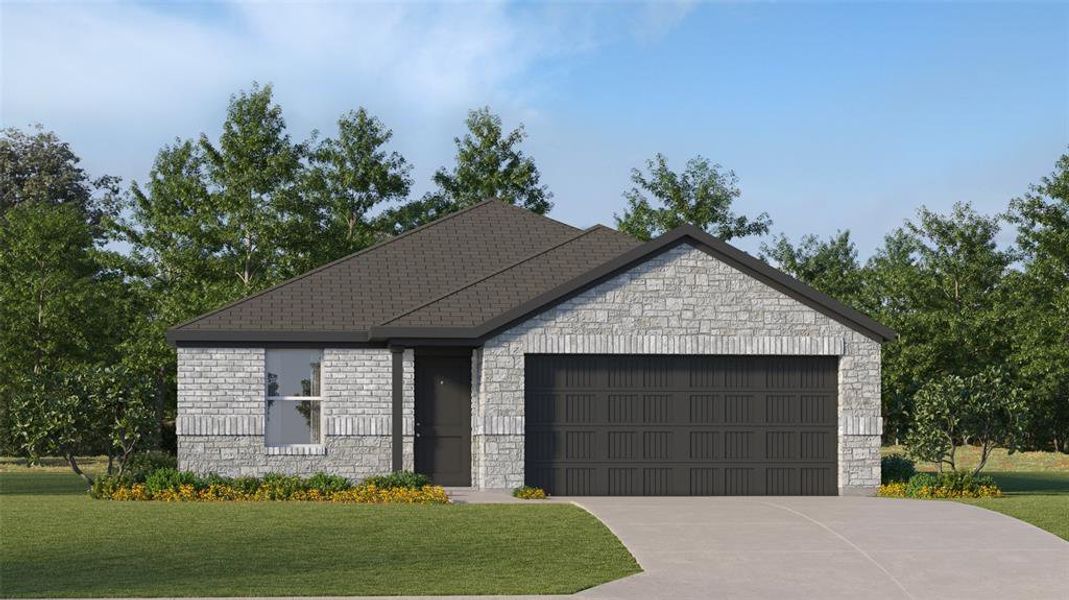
[(681, 425), (443, 419)]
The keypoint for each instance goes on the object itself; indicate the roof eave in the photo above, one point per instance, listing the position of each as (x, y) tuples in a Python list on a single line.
[(179, 336)]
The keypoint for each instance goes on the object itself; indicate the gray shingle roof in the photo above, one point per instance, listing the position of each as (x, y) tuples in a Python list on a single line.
[(352, 294), (487, 298), (463, 277)]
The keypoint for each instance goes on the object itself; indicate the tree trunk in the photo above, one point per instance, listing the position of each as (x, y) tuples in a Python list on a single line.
[(74, 467), (985, 452)]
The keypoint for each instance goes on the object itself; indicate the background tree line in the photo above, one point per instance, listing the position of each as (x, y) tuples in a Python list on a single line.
[(92, 273)]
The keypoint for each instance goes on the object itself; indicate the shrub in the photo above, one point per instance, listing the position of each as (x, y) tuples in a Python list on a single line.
[(528, 492), (919, 482), (956, 484), (245, 485), (951, 484), (169, 479), (276, 486), (142, 464), (105, 486), (371, 494), (170, 485), (892, 490), (327, 484), (896, 468), (399, 479)]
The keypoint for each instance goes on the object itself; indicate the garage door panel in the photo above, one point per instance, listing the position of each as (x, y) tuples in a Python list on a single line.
[(681, 425)]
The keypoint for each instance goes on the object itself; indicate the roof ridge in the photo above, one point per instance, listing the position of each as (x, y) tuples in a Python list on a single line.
[(511, 205), (336, 261), (474, 282)]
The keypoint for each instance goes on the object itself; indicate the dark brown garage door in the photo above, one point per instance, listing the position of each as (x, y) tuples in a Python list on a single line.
[(681, 425)]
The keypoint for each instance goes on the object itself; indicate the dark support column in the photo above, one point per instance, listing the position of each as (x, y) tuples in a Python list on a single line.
[(398, 405)]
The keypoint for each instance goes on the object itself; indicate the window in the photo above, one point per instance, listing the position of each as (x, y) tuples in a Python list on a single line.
[(293, 397)]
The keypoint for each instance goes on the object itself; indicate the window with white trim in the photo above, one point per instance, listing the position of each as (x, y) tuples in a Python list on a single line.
[(293, 416)]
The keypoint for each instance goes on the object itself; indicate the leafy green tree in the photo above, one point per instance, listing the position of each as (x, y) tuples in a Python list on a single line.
[(252, 175), (349, 177), (489, 164), (830, 266), (702, 195), (214, 222), (891, 275), (938, 282), (1039, 304), (64, 413), (37, 167), (937, 429), (56, 303), (984, 409)]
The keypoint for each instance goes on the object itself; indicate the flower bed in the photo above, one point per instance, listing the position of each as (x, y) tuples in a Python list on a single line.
[(527, 492), (170, 485), (955, 484)]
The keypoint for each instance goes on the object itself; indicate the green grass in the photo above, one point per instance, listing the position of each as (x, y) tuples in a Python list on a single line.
[(1000, 460), (57, 542), (1039, 498)]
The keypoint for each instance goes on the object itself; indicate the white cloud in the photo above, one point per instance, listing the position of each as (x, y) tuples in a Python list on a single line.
[(118, 80)]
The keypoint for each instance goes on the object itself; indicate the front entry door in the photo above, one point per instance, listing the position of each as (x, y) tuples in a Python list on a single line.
[(443, 419)]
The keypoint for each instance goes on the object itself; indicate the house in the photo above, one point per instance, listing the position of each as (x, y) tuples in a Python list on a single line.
[(495, 347)]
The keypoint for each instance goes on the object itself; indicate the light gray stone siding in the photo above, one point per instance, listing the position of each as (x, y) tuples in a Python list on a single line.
[(221, 404), (683, 301)]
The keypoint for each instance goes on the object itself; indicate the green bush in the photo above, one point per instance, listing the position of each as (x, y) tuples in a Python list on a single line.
[(245, 485), (217, 479), (105, 485), (529, 492), (399, 479), (896, 468), (964, 482), (921, 480), (280, 487), (170, 479), (142, 464), (327, 483)]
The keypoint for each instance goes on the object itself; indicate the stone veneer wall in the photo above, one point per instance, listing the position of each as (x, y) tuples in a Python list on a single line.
[(221, 414), (682, 301)]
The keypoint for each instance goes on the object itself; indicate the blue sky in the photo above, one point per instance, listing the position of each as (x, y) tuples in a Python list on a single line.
[(834, 116)]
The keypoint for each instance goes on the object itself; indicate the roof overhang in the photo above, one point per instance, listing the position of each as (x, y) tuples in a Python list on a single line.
[(180, 337)]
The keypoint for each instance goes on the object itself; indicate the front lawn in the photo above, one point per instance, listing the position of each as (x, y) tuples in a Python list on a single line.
[(1039, 498), (57, 542)]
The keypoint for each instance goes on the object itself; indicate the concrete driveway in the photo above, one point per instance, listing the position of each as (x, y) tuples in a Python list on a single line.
[(828, 548)]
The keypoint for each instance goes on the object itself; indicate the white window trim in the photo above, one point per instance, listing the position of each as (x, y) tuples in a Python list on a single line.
[(299, 449)]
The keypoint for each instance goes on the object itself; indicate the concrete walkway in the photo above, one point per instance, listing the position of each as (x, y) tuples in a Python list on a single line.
[(828, 548)]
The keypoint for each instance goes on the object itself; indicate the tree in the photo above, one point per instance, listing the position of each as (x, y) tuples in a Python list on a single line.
[(939, 283), (891, 275), (350, 176), (37, 167), (252, 176), (489, 164), (701, 195), (936, 428), (56, 303), (64, 413), (214, 222), (984, 409), (1040, 306), (830, 266)]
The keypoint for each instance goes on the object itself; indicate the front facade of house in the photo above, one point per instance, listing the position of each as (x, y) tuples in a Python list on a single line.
[(496, 347)]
